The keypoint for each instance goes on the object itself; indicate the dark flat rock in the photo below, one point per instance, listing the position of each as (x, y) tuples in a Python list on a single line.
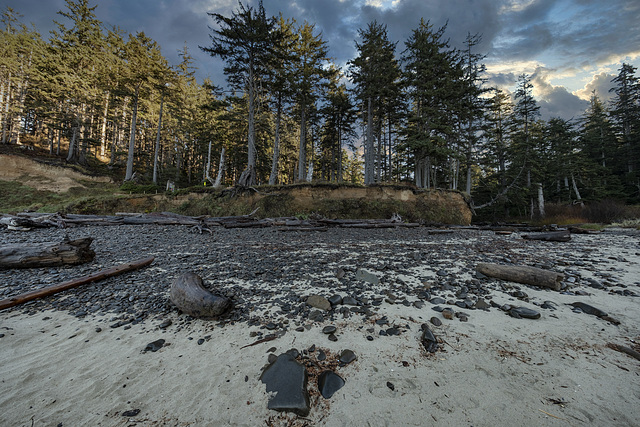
[(329, 329), (335, 299), (347, 356), (524, 313), (428, 339), (154, 346), (349, 301), (288, 379), (328, 383)]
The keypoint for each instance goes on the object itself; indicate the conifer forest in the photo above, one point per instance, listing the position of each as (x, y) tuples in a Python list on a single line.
[(414, 111)]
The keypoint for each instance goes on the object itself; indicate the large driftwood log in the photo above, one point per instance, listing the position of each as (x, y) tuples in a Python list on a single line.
[(523, 274), (554, 236), (46, 254), (191, 297), (113, 271)]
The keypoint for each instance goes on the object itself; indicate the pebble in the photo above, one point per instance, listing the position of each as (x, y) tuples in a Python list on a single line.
[(347, 356), (329, 329), (435, 321), (448, 313), (349, 301), (335, 300), (319, 302)]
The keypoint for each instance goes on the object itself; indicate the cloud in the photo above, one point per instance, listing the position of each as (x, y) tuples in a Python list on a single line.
[(555, 101), (567, 37), (600, 83)]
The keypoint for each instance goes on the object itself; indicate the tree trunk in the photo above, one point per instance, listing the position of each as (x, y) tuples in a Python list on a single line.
[(541, 201), (273, 177), (303, 144), (220, 169), (58, 142), (310, 171), (208, 166), (72, 145), (575, 190), (51, 136), (132, 136), (46, 254), (251, 149), (368, 152), (157, 150), (103, 129), (6, 116)]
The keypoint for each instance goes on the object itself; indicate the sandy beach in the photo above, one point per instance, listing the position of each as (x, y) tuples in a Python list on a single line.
[(60, 368)]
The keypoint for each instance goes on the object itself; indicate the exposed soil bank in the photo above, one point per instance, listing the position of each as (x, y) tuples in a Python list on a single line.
[(333, 201)]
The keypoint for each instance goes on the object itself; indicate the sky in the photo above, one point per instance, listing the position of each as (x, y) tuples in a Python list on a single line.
[(569, 47)]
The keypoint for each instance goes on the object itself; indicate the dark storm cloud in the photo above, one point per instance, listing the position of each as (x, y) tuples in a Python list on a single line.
[(573, 34)]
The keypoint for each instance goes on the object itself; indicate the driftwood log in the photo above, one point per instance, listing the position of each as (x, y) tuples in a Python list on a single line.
[(523, 274), (46, 254), (191, 297), (113, 271), (554, 236)]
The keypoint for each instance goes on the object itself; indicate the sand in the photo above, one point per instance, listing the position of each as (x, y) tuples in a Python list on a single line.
[(493, 370)]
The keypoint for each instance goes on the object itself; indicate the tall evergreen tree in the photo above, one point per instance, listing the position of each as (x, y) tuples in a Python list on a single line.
[(432, 78), (376, 74), (525, 113), (78, 49), (147, 69), (311, 53), (281, 83), (625, 113), (245, 41)]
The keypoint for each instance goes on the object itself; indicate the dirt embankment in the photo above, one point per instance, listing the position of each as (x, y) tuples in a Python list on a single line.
[(339, 201), (42, 176), (329, 200)]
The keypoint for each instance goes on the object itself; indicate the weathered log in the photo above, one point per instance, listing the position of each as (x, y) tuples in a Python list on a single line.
[(554, 236), (523, 274), (580, 230), (113, 271), (46, 254), (191, 297)]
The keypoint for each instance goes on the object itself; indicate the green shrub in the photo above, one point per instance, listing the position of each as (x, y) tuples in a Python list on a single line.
[(133, 188)]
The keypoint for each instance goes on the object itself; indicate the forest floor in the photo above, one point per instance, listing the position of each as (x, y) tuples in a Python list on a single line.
[(78, 358)]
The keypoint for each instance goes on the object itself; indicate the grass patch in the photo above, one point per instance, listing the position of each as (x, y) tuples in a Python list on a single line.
[(17, 197)]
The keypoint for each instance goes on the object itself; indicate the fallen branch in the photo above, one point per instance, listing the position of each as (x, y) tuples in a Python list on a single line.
[(113, 271), (626, 350), (523, 274), (265, 339)]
